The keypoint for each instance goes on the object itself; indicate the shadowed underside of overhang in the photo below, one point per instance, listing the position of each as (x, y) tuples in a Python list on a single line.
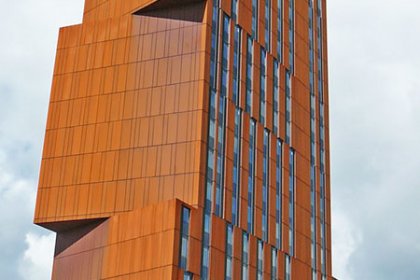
[(192, 11), (164, 4)]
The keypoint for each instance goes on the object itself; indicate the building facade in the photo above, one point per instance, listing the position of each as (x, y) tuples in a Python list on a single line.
[(189, 139)]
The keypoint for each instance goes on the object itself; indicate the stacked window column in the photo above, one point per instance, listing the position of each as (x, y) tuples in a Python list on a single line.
[(211, 144), (312, 138), (322, 175)]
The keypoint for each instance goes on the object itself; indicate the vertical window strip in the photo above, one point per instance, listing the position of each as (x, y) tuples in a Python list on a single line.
[(255, 19), (312, 139), (249, 70), (222, 119), (214, 45), (313, 222), (288, 106), (260, 259), (291, 35), (276, 95), (279, 30), (279, 194), (229, 252), (322, 175), (263, 85), (225, 56), (185, 229), (289, 73), (288, 268), (218, 210), (235, 10), (245, 256), (205, 256), (206, 247), (236, 65), (251, 176), (323, 225), (265, 205), (236, 167), (267, 25), (274, 260), (319, 39), (210, 152), (292, 184)]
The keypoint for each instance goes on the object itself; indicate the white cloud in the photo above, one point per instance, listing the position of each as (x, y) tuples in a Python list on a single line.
[(346, 239), (17, 197), (375, 117), (14, 192), (29, 30), (36, 263)]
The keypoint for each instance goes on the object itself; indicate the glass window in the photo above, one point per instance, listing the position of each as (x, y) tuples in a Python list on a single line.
[(288, 268), (236, 65), (279, 29), (279, 194), (220, 157), (288, 107), (206, 246), (255, 19), (236, 167), (323, 225), (260, 260), (210, 143), (188, 276), (214, 44), (222, 120), (263, 79), (251, 176), (267, 24), (225, 55), (276, 95), (292, 202), (274, 261), (266, 162), (229, 252), (319, 51), (322, 183), (313, 140), (248, 99), (185, 229), (235, 10), (245, 256), (291, 34)]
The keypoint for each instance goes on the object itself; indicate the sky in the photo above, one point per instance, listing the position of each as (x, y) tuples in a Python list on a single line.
[(374, 85)]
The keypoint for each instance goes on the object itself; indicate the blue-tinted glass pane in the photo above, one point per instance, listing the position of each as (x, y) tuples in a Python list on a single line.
[(251, 179), (185, 227), (274, 264), (291, 202), (279, 29), (245, 256), (254, 19), (263, 78), (248, 99)]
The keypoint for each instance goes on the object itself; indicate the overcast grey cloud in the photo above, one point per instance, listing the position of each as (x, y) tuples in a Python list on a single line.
[(375, 136), (374, 66), (28, 36)]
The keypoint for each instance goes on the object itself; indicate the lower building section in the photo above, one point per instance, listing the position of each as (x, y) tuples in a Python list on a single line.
[(141, 244), (164, 241)]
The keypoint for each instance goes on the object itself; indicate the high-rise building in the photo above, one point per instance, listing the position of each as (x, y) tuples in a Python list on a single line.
[(189, 139)]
